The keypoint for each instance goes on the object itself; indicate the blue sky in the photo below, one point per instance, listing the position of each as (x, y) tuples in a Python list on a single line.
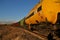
[(15, 10)]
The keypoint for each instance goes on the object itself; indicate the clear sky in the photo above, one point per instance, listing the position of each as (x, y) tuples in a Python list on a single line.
[(15, 10)]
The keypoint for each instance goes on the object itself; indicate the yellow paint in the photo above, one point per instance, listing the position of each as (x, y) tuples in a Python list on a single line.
[(50, 9)]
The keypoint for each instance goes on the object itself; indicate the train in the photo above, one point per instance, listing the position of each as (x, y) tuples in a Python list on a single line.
[(46, 11)]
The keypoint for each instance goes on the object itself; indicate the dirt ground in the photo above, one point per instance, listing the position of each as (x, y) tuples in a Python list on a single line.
[(15, 33)]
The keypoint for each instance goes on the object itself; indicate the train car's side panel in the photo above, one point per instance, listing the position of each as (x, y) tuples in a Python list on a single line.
[(35, 19)]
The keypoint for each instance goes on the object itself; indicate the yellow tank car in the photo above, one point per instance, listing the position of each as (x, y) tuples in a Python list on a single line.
[(45, 10), (51, 10)]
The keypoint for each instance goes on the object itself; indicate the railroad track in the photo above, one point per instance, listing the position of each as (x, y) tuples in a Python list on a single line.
[(33, 33), (8, 30)]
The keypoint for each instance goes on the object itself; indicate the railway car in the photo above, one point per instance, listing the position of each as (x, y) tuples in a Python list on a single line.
[(22, 22), (44, 11)]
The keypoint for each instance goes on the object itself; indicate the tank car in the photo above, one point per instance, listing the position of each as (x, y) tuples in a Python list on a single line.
[(45, 11)]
